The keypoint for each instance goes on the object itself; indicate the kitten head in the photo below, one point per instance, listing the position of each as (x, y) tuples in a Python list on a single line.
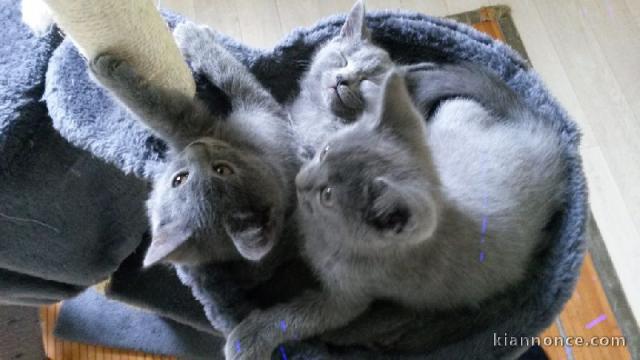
[(215, 202), (372, 184), (225, 191), (348, 66)]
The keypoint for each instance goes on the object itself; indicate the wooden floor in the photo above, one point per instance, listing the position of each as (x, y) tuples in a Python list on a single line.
[(588, 313)]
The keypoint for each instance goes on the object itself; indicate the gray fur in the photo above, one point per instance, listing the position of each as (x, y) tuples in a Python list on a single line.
[(205, 205), (92, 121), (407, 200), (459, 80), (341, 72)]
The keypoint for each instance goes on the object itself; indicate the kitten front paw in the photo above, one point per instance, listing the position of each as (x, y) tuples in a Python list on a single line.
[(201, 48), (246, 343), (194, 42)]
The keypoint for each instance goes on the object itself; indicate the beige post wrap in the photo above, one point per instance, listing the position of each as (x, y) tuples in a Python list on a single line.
[(130, 29)]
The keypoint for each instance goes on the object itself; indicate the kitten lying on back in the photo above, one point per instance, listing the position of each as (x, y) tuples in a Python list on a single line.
[(331, 91), (227, 189), (393, 208)]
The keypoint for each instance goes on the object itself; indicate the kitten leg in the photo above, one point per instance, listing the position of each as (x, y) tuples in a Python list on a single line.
[(173, 116), (429, 85), (309, 315), (199, 46)]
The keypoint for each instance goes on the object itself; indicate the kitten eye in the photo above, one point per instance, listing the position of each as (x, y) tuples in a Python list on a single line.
[(344, 61), (323, 153), (338, 59), (326, 196), (180, 179), (223, 170)]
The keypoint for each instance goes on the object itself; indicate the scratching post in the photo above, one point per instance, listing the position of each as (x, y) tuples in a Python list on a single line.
[(131, 30)]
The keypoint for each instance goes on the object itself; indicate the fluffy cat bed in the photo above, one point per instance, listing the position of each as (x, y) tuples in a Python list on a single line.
[(67, 219), (85, 115)]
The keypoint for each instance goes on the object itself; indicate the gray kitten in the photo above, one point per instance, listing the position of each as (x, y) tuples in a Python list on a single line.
[(332, 90), (429, 215), (228, 186)]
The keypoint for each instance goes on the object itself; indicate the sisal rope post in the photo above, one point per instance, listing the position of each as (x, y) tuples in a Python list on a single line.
[(129, 29)]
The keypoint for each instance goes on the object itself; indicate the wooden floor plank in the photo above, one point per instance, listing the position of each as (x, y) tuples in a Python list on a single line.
[(99, 353), (611, 118), (618, 40), (617, 37), (429, 7), (583, 314), (546, 62), (298, 13), (458, 6), (51, 318), (221, 15), (634, 8), (260, 25), (184, 7), (59, 348)]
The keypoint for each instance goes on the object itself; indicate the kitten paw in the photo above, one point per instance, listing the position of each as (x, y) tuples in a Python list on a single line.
[(104, 65), (194, 41), (200, 46), (112, 71), (245, 343)]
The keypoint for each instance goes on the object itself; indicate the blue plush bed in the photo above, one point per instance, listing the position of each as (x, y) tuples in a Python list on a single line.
[(87, 118)]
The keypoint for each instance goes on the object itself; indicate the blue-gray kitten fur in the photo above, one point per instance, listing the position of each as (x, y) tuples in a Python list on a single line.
[(227, 189), (393, 206), (332, 90)]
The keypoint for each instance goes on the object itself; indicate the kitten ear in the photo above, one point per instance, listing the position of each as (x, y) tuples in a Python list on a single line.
[(388, 209), (164, 243), (252, 243), (396, 112), (355, 27)]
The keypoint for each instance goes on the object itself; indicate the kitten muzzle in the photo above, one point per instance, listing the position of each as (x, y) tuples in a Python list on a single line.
[(253, 233), (344, 101), (261, 218)]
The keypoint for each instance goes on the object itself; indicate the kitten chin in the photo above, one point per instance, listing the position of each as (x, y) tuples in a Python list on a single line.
[(344, 102)]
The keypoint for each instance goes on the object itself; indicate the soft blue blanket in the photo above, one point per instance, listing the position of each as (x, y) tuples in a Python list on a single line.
[(67, 218), (110, 204)]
